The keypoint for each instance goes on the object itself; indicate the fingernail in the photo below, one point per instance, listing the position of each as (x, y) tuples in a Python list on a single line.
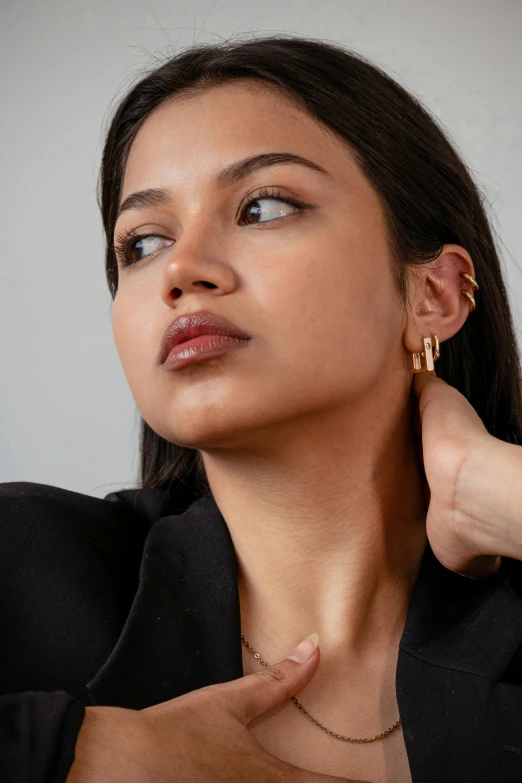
[(305, 649)]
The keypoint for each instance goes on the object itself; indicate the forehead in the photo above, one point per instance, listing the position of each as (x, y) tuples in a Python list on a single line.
[(189, 137)]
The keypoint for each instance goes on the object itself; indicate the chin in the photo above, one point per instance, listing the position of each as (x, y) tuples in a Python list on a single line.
[(205, 435)]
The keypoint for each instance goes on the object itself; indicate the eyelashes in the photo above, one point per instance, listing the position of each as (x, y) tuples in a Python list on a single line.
[(123, 245), (124, 241)]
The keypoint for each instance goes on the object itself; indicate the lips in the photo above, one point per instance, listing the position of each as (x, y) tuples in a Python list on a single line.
[(193, 325)]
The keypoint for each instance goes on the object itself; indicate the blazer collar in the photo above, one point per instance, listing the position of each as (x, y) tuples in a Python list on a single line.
[(461, 623), (183, 628)]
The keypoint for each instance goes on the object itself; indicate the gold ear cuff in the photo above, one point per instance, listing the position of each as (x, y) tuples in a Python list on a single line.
[(472, 304)]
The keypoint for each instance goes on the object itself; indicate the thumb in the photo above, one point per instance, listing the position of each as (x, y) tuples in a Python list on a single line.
[(253, 694)]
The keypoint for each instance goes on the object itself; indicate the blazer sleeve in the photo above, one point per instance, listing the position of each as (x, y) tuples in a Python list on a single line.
[(38, 733), (69, 565)]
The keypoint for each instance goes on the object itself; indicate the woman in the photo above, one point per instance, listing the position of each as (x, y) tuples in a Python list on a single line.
[(290, 200)]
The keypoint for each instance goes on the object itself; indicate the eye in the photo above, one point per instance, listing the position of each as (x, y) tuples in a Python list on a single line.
[(128, 245), (274, 210), (131, 247)]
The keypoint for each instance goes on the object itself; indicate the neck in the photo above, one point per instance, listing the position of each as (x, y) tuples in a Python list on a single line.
[(327, 520)]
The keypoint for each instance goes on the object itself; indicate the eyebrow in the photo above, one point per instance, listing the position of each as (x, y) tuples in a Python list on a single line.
[(240, 169)]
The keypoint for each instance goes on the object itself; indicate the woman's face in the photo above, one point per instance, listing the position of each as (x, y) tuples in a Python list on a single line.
[(312, 285)]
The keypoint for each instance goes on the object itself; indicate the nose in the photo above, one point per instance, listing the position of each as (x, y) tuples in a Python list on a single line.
[(193, 268)]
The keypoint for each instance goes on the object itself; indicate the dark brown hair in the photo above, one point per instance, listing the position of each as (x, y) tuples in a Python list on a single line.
[(428, 196)]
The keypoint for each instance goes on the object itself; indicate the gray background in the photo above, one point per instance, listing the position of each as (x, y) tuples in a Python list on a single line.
[(68, 418)]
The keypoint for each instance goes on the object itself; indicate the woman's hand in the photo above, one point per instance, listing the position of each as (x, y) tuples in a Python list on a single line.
[(201, 735), (475, 482)]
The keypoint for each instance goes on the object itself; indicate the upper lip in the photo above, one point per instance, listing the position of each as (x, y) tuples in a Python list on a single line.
[(194, 324)]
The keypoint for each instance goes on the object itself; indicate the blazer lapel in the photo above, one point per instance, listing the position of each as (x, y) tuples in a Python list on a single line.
[(183, 628), (459, 688)]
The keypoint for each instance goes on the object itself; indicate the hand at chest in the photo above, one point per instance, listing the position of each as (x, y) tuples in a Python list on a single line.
[(363, 705)]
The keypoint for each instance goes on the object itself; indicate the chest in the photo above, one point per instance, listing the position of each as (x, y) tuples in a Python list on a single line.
[(288, 734), (367, 702)]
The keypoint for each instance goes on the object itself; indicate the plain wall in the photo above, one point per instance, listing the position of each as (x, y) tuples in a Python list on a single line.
[(68, 417)]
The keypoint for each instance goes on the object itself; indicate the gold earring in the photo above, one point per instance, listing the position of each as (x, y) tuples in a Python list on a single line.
[(430, 353), (472, 303)]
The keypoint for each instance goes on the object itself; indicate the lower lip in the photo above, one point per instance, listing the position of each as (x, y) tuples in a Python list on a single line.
[(206, 346)]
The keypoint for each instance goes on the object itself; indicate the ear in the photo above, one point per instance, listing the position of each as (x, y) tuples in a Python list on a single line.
[(436, 304)]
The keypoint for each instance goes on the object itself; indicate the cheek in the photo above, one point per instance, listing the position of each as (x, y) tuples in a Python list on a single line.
[(328, 319), (132, 328)]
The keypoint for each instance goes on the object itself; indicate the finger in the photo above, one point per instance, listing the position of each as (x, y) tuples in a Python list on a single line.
[(415, 415), (445, 411), (422, 379), (438, 387), (254, 694)]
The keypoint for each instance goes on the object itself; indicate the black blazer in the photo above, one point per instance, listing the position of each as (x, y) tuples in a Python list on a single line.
[(132, 600)]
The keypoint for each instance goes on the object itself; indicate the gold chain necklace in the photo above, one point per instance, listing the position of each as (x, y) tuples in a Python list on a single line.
[(323, 728)]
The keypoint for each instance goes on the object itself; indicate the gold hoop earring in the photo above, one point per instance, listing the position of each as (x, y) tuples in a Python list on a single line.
[(472, 303), (430, 354)]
